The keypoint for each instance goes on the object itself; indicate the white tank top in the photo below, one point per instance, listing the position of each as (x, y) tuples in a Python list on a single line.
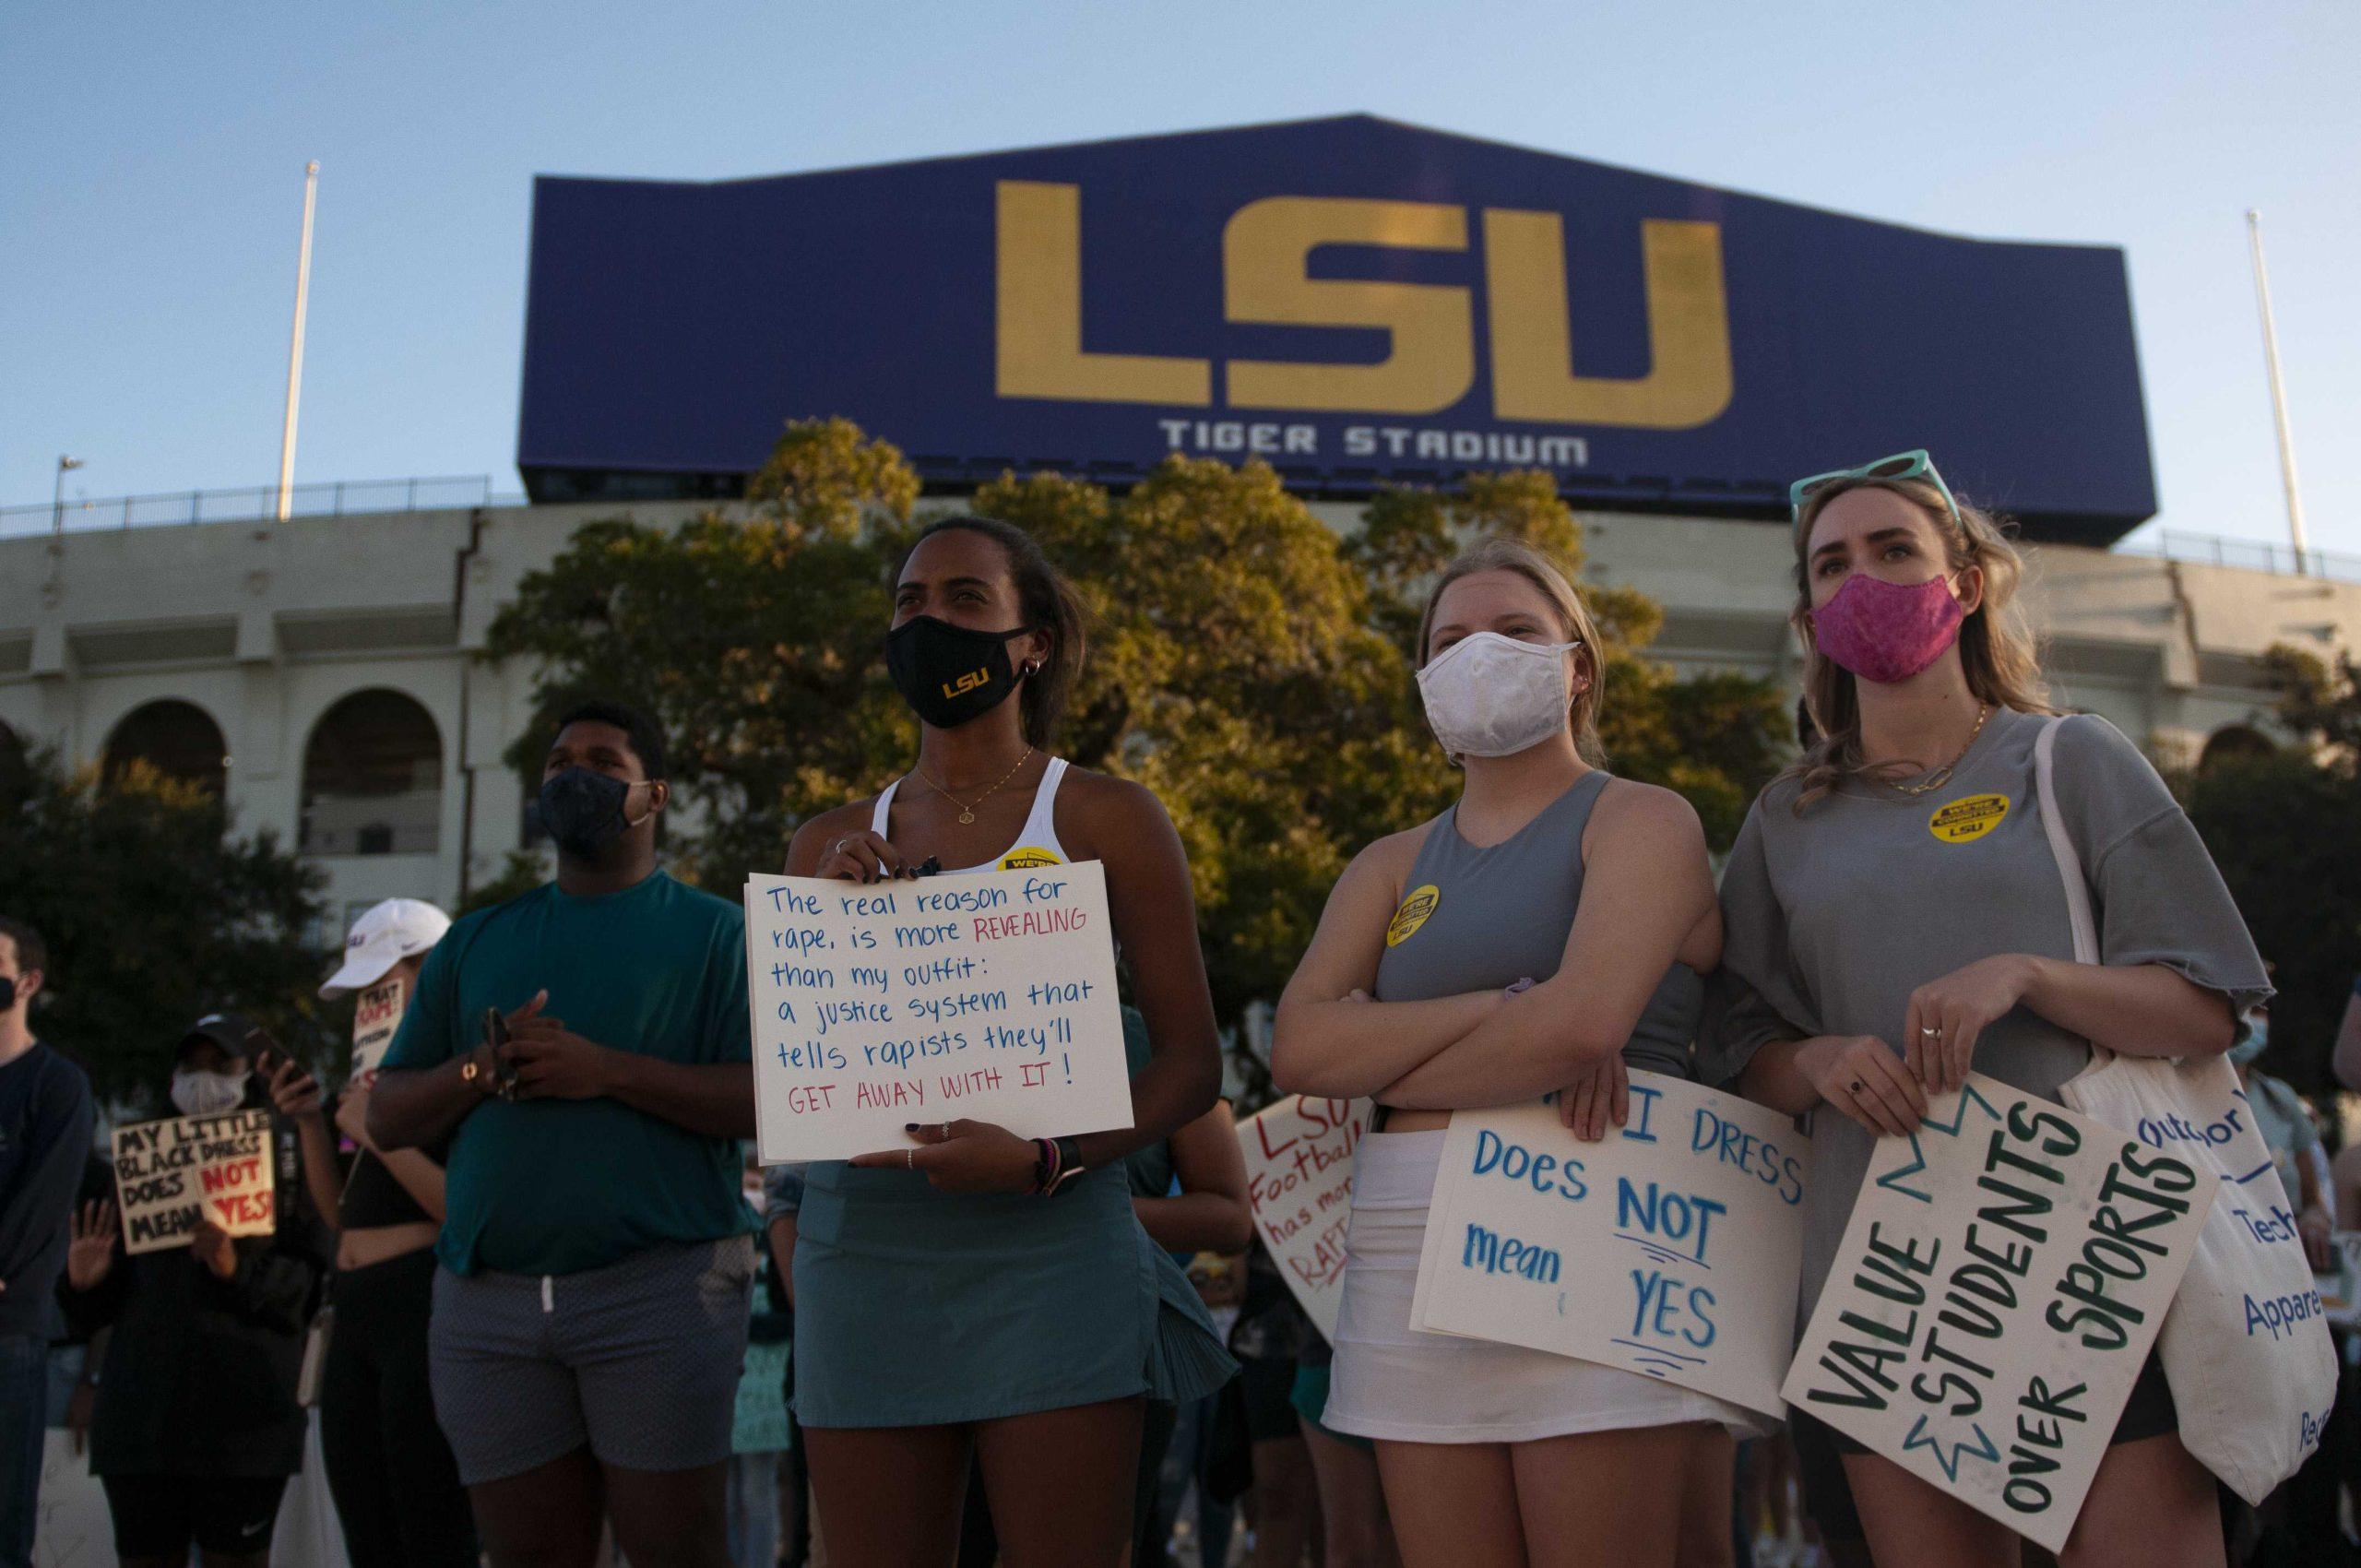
[(1036, 843)]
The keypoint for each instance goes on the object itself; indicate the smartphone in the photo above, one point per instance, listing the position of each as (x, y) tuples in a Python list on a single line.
[(495, 1035)]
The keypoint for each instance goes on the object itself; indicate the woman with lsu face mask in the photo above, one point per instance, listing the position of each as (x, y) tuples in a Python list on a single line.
[(1894, 921), (1548, 929), (974, 1292)]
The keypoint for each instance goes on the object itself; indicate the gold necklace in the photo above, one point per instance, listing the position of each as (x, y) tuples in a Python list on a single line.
[(1943, 775), (967, 812)]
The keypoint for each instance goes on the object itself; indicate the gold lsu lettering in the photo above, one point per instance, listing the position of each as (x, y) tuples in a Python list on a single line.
[(967, 683), (1265, 250)]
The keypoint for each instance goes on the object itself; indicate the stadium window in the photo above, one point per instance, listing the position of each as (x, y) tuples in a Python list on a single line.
[(177, 738), (372, 777)]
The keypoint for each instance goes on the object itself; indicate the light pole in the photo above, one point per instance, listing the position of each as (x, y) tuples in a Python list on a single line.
[(57, 496), (295, 343), (2278, 397)]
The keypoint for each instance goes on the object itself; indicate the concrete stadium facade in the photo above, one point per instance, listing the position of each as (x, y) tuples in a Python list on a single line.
[(337, 660)]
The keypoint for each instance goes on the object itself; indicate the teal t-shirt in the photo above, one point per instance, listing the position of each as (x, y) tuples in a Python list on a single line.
[(556, 1186)]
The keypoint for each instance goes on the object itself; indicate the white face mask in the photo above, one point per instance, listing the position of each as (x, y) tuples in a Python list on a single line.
[(199, 1093), (1491, 695)]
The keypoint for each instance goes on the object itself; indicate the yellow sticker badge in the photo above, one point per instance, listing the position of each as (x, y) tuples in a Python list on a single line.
[(1968, 818), (1413, 914), (1026, 857)]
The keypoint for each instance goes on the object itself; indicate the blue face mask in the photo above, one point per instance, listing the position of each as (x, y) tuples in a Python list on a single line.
[(2257, 1042), (583, 811)]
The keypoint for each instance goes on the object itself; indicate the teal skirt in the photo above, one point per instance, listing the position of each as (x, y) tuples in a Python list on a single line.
[(920, 1308)]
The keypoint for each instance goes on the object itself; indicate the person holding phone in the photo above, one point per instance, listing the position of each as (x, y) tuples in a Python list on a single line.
[(586, 1050), (197, 1428), (389, 1467)]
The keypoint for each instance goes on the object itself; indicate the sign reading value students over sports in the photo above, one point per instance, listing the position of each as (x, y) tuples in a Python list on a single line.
[(1352, 300), (1670, 1248), (1300, 1186), (988, 997), (2004, 1274), (172, 1176)]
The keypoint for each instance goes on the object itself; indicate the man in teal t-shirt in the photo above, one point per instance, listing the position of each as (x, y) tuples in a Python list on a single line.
[(590, 1313)]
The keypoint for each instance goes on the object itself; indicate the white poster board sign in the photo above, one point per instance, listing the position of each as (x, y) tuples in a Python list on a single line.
[(1670, 1248), (376, 1014), (1300, 1186), (2002, 1277), (989, 996), (171, 1176)]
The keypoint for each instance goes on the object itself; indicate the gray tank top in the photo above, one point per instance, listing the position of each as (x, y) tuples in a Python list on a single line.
[(1482, 919)]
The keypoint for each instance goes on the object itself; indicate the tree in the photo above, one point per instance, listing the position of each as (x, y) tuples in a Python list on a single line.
[(1245, 663), (153, 917), (2285, 830)]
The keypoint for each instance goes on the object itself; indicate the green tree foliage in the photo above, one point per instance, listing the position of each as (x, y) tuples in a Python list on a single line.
[(153, 917), (1245, 663), (2285, 829)]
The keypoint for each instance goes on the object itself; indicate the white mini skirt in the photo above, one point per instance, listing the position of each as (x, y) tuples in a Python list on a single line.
[(1395, 1383)]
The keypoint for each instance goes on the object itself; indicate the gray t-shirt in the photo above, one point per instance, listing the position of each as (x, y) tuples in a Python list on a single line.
[(1833, 918)]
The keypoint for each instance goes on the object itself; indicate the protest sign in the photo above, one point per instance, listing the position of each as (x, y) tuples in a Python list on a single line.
[(376, 1014), (2002, 1277), (989, 996), (1300, 1186), (170, 1176), (1670, 1248)]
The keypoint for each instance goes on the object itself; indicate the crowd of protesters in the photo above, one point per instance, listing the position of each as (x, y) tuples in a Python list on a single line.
[(543, 1305)]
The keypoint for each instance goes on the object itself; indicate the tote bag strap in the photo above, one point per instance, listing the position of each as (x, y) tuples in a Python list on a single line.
[(2061, 843)]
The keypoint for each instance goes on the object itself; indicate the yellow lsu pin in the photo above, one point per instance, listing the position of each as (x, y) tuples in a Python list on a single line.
[(1413, 914), (1968, 818), (1026, 857)]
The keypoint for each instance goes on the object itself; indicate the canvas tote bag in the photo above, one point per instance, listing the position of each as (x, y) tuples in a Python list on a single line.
[(2243, 1345)]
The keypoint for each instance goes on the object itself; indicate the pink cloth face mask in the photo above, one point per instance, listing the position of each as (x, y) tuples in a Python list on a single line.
[(1887, 632)]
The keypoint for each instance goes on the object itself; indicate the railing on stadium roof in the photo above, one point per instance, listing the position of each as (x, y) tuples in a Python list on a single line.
[(256, 504), (329, 500)]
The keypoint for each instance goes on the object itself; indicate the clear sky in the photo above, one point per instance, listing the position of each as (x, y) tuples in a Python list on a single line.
[(151, 159)]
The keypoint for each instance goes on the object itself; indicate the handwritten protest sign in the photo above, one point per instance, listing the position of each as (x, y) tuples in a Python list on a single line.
[(172, 1175), (989, 996), (376, 1014), (1669, 1249), (2004, 1273), (1300, 1186)]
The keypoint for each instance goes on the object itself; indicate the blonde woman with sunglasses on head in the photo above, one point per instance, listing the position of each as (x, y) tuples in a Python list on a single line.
[(1893, 921), (1546, 930)]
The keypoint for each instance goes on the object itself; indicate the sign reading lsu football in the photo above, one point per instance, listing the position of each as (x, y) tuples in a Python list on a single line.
[(1355, 301)]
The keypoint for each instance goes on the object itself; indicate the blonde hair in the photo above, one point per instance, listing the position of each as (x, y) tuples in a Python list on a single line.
[(1503, 553), (1996, 645)]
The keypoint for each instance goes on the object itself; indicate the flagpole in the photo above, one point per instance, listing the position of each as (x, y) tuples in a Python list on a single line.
[(295, 345), (2278, 395)]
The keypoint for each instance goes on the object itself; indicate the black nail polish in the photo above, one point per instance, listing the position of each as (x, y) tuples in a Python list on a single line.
[(909, 1127)]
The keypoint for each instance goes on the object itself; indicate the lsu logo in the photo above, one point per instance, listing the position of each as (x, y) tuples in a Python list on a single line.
[(1416, 910), (967, 682), (1266, 252), (1968, 818)]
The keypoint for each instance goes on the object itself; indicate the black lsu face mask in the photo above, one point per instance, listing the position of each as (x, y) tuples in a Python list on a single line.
[(949, 674), (583, 811)]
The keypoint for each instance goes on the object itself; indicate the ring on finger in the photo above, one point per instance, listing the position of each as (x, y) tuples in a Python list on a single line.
[(1931, 1031), (909, 1159), (1854, 1087)]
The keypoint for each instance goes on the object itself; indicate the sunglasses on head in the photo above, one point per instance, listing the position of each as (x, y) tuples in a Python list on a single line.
[(1914, 464)]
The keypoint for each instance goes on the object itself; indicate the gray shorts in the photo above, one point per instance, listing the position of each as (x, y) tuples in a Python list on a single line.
[(640, 1360)]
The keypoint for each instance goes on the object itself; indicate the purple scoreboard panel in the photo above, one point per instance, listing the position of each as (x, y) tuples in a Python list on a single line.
[(1354, 300)]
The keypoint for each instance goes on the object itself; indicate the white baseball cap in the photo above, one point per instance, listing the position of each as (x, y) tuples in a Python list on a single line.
[(395, 930)]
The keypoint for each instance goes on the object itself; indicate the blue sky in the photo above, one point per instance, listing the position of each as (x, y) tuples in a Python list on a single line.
[(150, 184)]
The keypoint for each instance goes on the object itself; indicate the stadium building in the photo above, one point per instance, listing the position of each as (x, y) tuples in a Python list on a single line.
[(1356, 301)]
